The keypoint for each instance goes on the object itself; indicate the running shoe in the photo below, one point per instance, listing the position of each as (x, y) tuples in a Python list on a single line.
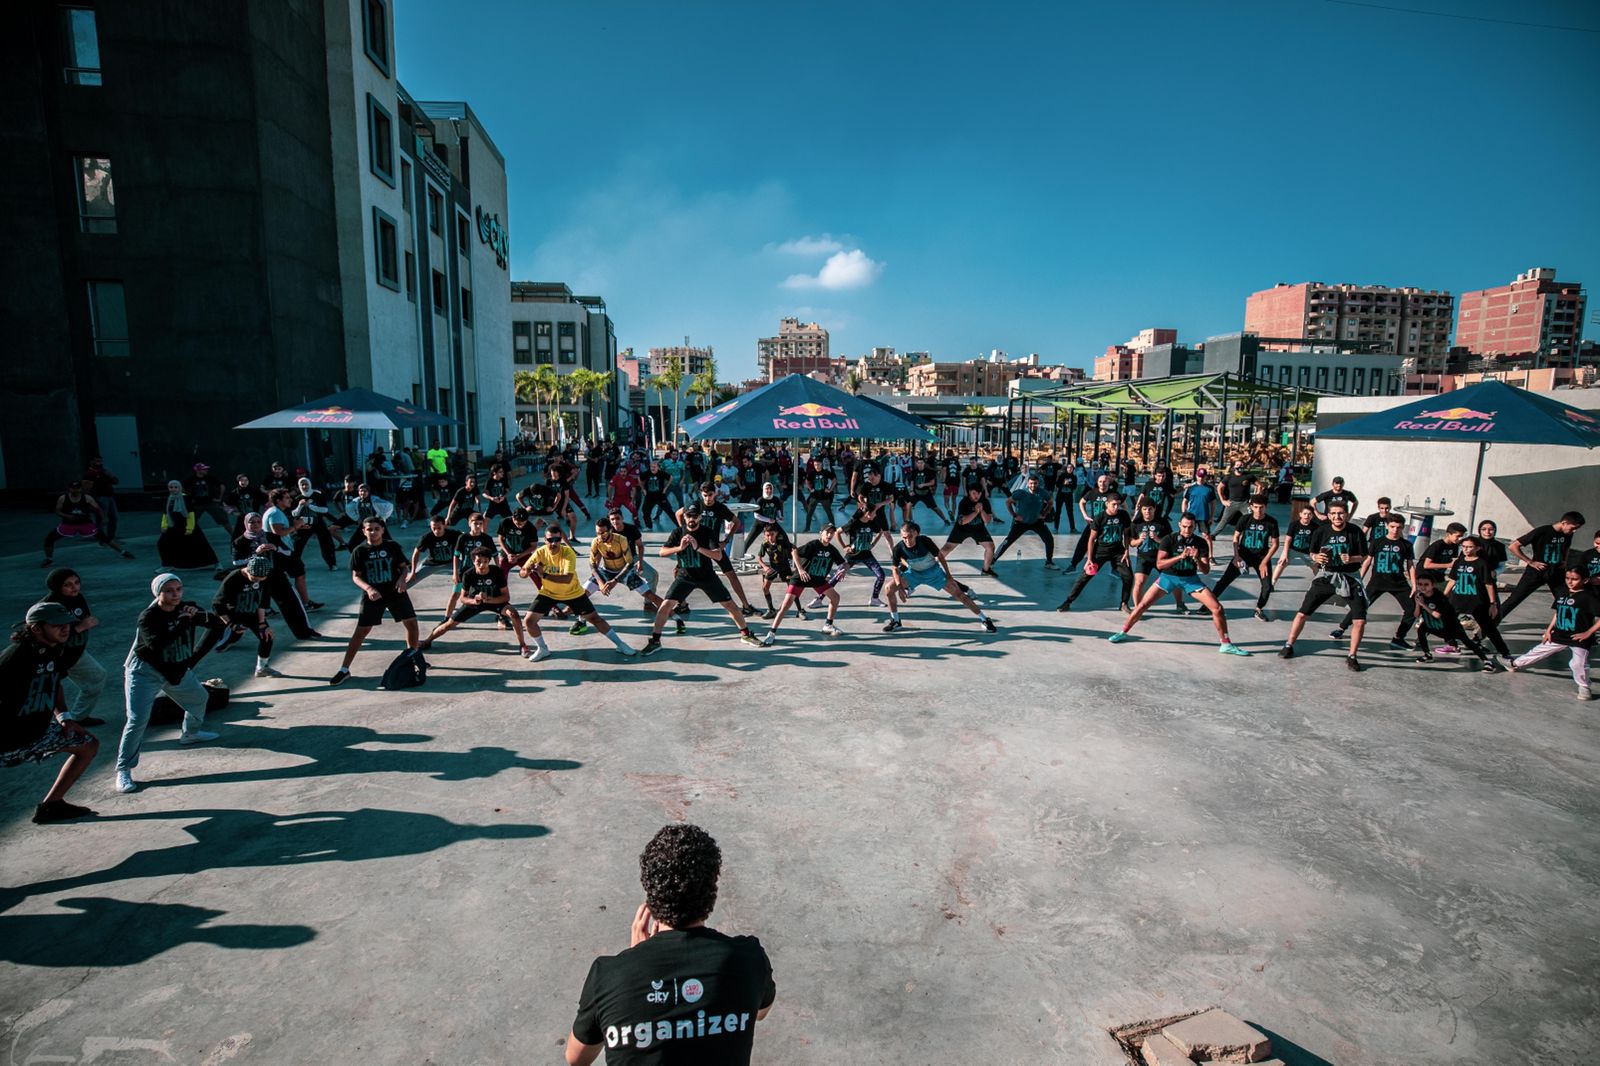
[(769, 614), (748, 609), (875, 602), (988, 573), (679, 627), (829, 629), (1449, 649), (651, 646), (1286, 652), (1400, 645), (1491, 665), (579, 628), (199, 736), (816, 604), (1118, 637), (988, 624), (267, 671), (58, 811), (1512, 667), (1066, 605), (539, 654), (1232, 649), (625, 651), (1051, 566), (125, 782), (1183, 609), (1352, 664), (800, 613), (891, 625), (750, 638), (339, 678), (682, 608), (1425, 657), (1126, 609), (1584, 693), (768, 640), (313, 605), (1262, 615), (1337, 633)]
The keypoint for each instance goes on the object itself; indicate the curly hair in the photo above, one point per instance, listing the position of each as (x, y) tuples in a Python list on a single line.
[(679, 870)]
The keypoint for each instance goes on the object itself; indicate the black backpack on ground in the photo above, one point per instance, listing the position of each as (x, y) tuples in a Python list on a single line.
[(408, 670)]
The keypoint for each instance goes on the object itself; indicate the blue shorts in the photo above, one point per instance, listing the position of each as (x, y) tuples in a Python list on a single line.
[(931, 578), (1181, 583)]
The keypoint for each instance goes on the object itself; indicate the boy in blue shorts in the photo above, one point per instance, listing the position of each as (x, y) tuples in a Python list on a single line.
[(917, 564), (1180, 560)]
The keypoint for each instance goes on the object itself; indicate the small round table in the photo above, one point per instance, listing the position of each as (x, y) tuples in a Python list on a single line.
[(1420, 531), (743, 563)]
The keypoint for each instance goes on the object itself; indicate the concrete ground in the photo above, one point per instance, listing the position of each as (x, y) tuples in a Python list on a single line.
[(956, 847)]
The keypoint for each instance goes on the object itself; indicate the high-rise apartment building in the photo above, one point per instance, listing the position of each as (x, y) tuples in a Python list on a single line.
[(690, 360), (550, 326), (1535, 315), (799, 348), (1412, 323), (1123, 362), (979, 377)]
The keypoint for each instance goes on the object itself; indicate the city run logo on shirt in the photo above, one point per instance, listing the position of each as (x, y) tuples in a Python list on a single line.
[(813, 416), (1451, 420), (657, 993), (692, 990), (325, 416)]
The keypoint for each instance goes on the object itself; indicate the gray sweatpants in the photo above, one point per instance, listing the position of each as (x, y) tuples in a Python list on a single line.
[(90, 677), (141, 686)]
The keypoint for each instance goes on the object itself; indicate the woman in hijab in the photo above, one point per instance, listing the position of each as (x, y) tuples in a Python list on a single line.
[(181, 545)]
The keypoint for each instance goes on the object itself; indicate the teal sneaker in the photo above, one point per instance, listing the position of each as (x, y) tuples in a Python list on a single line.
[(1232, 649), (1118, 637)]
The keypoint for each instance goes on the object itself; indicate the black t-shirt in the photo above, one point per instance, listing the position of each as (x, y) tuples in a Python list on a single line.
[(495, 490), (1094, 501), (683, 996), (77, 643), (1300, 535), (463, 502), (1589, 563), (1255, 535), (167, 640), (775, 554), (691, 564), (1327, 499), (1546, 544), (770, 508), (468, 544), (1174, 544), (1111, 535), (968, 508), (1432, 602), (1236, 487), (654, 482), (540, 497), (1575, 612), (438, 550), (1048, 473), (381, 567), (860, 535), (1377, 526), (922, 482), (239, 598), (1161, 495), (1441, 551), (819, 559), (917, 555), (972, 477), (513, 536), (881, 493), (30, 674), (952, 472), (1345, 548), (1154, 532), (202, 490), (1494, 552), (1472, 579), (714, 518), (487, 585), (1391, 562)]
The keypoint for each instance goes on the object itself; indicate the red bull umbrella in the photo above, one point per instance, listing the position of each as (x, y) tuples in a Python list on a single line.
[(802, 408), (351, 409)]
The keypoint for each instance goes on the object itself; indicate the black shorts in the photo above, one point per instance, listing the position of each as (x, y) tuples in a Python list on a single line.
[(711, 585), (579, 605), (785, 574), (1144, 564), (924, 498), (965, 531), (472, 610), (1247, 562), (1322, 590), (397, 604)]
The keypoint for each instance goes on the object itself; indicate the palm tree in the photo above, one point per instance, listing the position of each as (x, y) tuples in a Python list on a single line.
[(523, 384), (704, 386), (672, 378), (600, 385), (852, 383), (655, 385), (546, 388), (578, 384)]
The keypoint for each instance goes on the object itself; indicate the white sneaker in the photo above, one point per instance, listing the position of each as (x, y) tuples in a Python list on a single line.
[(875, 602), (199, 736), (625, 651), (1584, 693), (267, 671), (816, 604), (125, 782), (538, 655), (829, 629)]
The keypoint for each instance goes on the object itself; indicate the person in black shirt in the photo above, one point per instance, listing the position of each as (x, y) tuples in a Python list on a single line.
[(1235, 491), (494, 493), (768, 513), (1181, 560), (463, 502), (1108, 547), (916, 563), (696, 572), (437, 548), (1337, 549), (923, 481), (1149, 529), (312, 508), (241, 604), (681, 992), (1377, 523), (1066, 498), (1573, 624), (77, 665), (33, 708), (1297, 541), (172, 638), (655, 483), (1588, 563), (1159, 491), (515, 539), (875, 500), (1325, 501), (1441, 553), (1091, 505), (1254, 542), (1493, 551), (1435, 617), (951, 469), (1472, 593), (814, 564), (1544, 550), (78, 517), (541, 500), (1388, 568), (277, 478), (717, 525), (483, 590), (244, 498), (204, 492), (776, 560), (820, 485), (378, 567), (972, 523)]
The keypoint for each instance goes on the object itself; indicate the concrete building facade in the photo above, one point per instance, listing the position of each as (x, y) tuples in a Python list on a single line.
[(1414, 323), (551, 326), (979, 377), (1123, 362), (1337, 368), (799, 348), (690, 360), (1534, 316)]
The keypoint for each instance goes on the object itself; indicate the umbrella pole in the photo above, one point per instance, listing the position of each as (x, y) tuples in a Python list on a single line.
[(1477, 480), (794, 493)]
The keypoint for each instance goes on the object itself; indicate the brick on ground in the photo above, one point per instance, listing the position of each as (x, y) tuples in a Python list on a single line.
[(1218, 1036), (1159, 1051)]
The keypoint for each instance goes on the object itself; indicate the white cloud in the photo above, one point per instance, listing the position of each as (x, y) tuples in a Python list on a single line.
[(823, 245), (843, 270)]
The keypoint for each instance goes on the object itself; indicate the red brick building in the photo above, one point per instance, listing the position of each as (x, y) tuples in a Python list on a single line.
[(1124, 362), (1535, 315)]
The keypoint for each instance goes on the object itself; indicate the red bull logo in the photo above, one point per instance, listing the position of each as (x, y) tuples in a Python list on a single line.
[(1450, 420), (325, 416), (813, 416)]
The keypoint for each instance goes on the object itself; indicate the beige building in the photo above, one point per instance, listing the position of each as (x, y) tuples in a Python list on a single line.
[(799, 348), (692, 360), (981, 377), (1413, 323)]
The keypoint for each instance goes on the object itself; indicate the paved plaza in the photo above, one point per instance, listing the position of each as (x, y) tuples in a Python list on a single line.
[(956, 847)]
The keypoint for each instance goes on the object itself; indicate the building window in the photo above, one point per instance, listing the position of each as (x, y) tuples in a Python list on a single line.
[(380, 141), (386, 249), (97, 201), (375, 32), (463, 232), (435, 211), (466, 306), (444, 409), (1358, 380), (439, 307), (1322, 378), (82, 46), (1339, 375), (472, 418), (108, 318), (522, 342), (541, 343), (1284, 373), (411, 277), (405, 185), (1304, 377), (568, 347)]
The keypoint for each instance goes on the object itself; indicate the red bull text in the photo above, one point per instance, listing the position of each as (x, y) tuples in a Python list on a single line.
[(1450, 420), (813, 416)]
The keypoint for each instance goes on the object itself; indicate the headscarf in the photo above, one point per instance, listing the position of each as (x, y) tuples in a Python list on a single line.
[(57, 578), (177, 506), (161, 581)]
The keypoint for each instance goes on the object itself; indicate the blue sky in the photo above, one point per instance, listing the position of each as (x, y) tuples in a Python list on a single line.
[(1031, 177)]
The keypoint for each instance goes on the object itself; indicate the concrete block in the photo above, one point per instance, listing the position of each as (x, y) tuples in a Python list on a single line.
[(1219, 1036), (1159, 1051)]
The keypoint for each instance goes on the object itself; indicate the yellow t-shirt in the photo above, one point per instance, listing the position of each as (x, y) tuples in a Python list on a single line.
[(559, 571), (612, 554)]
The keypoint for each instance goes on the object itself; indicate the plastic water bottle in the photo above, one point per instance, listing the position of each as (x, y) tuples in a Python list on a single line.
[(1441, 503), (1407, 505), (1427, 501)]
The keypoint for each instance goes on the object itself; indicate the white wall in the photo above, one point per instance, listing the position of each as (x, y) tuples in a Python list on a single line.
[(491, 306), (1522, 485)]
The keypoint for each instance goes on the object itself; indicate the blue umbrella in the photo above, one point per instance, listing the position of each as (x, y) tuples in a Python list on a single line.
[(350, 409), (796, 408), (1490, 412)]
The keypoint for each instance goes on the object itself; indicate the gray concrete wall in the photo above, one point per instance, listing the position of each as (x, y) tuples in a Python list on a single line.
[(1522, 486)]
